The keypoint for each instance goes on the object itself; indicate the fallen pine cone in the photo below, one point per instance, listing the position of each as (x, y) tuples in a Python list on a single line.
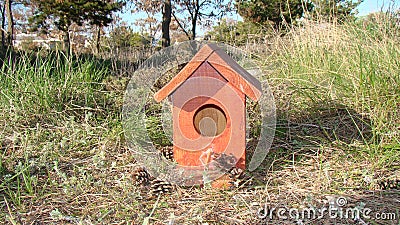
[(389, 184), (238, 177), (159, 186), (236, 173), (167, 152), (141, 176)]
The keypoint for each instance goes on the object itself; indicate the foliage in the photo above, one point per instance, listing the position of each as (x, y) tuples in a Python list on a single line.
[(237, 33), (188, 14), (382, 24), (335, 9), (280, 11), (123, 36), (66, 12), (275, 11), (150, 24)]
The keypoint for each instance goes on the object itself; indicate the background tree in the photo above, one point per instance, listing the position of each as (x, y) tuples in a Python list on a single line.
[(186, 14), (237, 33), (22, 10), (10, 23), (275, 11), (65, 13), (166, 21), (149, 24), (3, 24), (189, 13), (100, 15), (335, 9), (152, 8), (124, 37)]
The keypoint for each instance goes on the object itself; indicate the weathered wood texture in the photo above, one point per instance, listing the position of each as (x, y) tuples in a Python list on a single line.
[(207, 88), (224, 64), (208, 98)]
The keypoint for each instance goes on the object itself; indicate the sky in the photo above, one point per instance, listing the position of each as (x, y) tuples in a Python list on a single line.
[(366, 7), (369, 6)]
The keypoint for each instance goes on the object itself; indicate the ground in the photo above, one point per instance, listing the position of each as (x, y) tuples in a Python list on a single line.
[(64, 158)]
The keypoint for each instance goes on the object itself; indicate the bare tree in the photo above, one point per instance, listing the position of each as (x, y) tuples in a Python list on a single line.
[(3, 25), (10, 23), (150, 24), (167, 11), (189, 13)]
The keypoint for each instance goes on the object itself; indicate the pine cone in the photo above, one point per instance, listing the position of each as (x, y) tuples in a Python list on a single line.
[(389, 184), (141, 176), (238, 177), (167, 152), (236, 173), (159, 186)]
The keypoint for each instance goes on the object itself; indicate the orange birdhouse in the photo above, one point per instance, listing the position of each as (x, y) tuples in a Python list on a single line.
[(209, 113)]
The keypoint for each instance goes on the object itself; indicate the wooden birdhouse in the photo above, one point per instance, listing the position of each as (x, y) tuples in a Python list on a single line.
[(209, 113)]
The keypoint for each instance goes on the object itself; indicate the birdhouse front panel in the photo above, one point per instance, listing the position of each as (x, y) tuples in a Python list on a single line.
[(208, 98), (208, 115)]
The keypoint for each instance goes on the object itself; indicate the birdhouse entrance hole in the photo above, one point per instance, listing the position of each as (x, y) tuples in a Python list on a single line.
[(209, 120)]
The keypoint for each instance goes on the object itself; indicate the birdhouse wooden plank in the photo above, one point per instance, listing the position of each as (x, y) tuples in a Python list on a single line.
[(208, 107)]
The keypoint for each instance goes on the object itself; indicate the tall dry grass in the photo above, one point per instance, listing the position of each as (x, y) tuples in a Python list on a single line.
[(355, 65)]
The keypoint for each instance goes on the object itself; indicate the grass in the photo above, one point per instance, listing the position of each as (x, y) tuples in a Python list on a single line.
[(346, 70), (64, 160)]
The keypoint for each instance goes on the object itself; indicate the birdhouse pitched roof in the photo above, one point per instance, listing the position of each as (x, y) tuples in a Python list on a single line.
[(221, 62)]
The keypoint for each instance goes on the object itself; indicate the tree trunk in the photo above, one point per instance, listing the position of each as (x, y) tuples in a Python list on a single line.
[(3, 26), (194, 19), (10, 25), (166, 40), (67, 43), (193, 36), (98, 39)]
